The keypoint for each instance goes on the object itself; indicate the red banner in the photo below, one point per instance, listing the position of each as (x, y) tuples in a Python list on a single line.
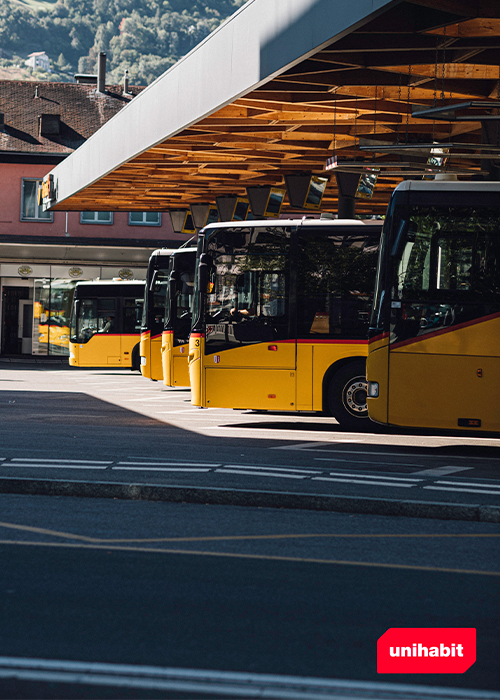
[(426, 650)]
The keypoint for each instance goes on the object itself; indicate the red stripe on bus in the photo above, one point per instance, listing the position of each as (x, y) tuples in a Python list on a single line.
[(376, 338), (329, 341), (443, 331)]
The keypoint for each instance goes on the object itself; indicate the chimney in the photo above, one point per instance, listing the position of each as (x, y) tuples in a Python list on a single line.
[(2, 122), (125, 83), (101, 73), (49, 125)]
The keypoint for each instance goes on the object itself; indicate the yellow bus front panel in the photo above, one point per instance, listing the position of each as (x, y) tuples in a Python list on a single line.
[(449, 379), (103, 350), (145, 354), (264, 389), (195, 364), (377, 368), (150, 351), (174, 361), (267, 377)]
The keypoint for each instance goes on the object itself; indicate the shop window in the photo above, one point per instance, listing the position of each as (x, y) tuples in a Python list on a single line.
[(96, 217), (30, 209), (144, 218)]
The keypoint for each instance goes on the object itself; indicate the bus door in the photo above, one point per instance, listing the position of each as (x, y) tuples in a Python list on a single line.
[(250, 346), (131, 318), (444, 361)]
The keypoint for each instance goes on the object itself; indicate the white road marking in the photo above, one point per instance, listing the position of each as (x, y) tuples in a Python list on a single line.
[(469, 483), (278, 476), (372, 476), (52, 466), (186, 410), (366, 461), (160, 469), (364, 483), (463, 490), (311, 447), (442, 471), (225, 683), (65, 461), (270, 469), (209, 465)]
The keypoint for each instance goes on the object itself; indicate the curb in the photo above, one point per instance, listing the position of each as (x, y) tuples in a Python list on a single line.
[(262, 499)]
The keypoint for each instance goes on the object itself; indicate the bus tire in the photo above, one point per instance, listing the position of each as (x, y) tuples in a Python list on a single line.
[(346, 396), (136, 360)]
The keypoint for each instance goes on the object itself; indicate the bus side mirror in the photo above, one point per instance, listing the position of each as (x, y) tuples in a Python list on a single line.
[(400, 240), (204, 268), (406, 232)]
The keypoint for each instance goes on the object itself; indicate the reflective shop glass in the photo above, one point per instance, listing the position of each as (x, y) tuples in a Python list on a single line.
[(30, 209), (51, 316)]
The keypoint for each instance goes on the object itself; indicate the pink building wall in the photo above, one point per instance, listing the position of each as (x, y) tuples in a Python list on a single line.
[(11, 175)]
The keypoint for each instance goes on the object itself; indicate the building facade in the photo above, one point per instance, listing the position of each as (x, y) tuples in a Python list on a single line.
[(44, 254), (38, 59)]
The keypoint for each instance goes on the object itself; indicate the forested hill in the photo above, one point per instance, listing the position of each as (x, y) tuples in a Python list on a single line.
[(144, 36)]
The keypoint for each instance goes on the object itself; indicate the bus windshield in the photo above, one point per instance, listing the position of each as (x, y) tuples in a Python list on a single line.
[(446, 268), (179, 298)]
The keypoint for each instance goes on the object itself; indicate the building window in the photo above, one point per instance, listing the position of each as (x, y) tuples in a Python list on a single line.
[(30, 209), (144, 218), (96, 217)]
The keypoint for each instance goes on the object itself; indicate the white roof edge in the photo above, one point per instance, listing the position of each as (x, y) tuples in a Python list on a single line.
[(291, 222), (262, 39), (450, 185)]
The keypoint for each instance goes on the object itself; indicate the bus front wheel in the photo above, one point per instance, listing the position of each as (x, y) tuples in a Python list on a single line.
[(347, 393)]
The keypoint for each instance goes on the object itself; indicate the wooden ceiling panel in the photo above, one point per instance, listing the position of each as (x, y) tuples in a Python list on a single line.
[(359, 90)]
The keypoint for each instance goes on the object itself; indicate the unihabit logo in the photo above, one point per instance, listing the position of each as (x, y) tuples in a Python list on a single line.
[(426, 650), (420, 650)]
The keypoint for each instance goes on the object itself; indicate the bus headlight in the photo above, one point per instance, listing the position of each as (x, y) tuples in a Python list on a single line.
[(143, 360), (373, 390)]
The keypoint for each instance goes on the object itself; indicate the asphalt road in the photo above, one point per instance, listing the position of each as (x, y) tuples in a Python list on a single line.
[(116, 426), (261, 591), (185, 600)]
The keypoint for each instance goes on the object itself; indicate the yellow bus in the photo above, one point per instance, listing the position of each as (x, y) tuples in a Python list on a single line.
[(105, 324), (434, 351), (153, 313), (280, 316), (175, 338)]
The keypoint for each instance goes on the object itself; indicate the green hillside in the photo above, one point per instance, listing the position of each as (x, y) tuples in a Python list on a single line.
[(144, 37)]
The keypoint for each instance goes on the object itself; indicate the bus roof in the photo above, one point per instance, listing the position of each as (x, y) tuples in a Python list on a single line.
[(164, 251), (96, 283), (293, 222), (184, 250), (448, 185)]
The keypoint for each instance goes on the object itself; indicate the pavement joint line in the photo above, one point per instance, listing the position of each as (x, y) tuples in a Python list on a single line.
[(208, 495)]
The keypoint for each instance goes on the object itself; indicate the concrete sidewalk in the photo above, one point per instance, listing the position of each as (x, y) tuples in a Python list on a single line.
[(254, 498)]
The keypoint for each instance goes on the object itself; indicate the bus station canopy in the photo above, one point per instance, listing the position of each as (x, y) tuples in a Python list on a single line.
[(286, 87)]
